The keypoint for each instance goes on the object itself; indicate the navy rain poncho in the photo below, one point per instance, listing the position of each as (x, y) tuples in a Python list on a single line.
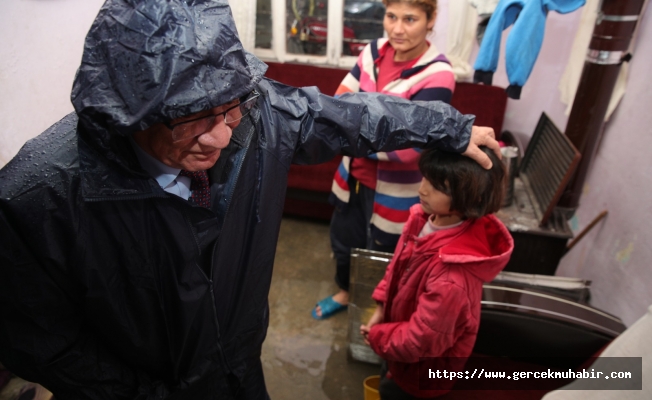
[(110, 287)]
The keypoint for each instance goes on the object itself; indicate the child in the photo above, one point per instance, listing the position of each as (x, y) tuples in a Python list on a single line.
[(429, 298)]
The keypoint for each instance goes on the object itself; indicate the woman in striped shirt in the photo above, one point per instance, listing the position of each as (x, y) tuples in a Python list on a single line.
[(373, 195)]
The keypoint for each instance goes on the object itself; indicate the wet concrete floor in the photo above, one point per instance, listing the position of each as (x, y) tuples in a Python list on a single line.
[(304, 358)]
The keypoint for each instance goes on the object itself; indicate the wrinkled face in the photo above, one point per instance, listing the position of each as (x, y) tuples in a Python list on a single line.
[(432, 200), (407, 26), (194, 153)]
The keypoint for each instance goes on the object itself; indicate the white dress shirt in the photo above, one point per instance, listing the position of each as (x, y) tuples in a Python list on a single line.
[(167, 177)]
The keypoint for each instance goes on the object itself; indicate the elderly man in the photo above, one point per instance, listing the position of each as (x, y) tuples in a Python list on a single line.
[(137, 235)]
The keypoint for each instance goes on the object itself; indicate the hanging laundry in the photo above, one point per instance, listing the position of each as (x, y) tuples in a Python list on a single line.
[(484, 7), (524, 40), (462, 20)]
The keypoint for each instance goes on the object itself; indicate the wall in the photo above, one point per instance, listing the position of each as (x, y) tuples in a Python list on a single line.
[(40, 51), (540, 92), (42, 46), (616, 254)]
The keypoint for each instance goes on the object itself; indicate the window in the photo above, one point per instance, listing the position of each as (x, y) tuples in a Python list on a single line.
[(313, 31)]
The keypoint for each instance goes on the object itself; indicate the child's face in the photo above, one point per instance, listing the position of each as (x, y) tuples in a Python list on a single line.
[(432, 200)]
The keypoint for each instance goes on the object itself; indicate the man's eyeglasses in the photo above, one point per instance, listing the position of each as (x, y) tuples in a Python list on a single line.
[(191, 128)]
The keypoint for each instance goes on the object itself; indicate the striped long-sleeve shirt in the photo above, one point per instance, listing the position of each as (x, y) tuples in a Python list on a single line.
[(398, 176)]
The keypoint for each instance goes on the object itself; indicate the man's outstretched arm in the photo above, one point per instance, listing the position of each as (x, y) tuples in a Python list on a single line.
[(318, 127)]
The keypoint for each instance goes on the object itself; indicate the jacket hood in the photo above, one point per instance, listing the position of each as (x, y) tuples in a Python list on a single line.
[(482, 245), (146, 62)]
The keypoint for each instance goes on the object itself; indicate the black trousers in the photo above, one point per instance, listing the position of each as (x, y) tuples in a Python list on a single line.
[(388, 389), (351, 229)]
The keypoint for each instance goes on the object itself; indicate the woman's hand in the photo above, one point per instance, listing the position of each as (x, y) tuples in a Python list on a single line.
[(376, 318)]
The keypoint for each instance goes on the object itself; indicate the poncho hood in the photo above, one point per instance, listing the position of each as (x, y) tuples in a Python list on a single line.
[(146, 62)]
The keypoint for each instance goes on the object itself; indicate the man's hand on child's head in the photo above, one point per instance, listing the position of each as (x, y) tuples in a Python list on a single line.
[(482, 136)]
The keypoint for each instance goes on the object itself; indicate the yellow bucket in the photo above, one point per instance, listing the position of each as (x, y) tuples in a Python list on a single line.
[(371, 387)]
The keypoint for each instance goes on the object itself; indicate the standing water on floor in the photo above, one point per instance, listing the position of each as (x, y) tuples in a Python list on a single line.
[(304, 358)]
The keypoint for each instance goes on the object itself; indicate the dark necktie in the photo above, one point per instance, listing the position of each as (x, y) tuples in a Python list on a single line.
[(201, 191)]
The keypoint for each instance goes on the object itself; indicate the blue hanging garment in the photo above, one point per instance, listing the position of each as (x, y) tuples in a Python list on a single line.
[(524, 40)]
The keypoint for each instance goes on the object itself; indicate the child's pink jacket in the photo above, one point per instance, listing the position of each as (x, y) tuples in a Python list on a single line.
[(432, 290)]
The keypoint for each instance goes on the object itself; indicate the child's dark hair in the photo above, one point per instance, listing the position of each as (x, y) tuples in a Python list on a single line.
[(474, 191)]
